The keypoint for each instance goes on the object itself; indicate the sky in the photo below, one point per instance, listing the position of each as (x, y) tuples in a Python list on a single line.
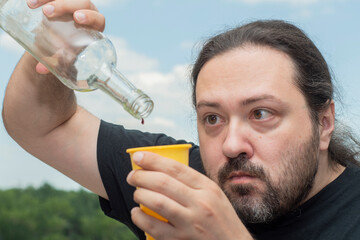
[(156, 43)]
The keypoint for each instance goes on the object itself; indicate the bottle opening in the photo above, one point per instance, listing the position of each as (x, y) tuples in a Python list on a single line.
[(142, 107)]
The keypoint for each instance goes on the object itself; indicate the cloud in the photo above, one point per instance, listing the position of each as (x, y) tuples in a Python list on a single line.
[(187, 45), (129, 60), (167, 87), (9, 43), (164, 122)]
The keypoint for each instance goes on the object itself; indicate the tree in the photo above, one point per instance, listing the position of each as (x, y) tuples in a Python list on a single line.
[(50, 214)]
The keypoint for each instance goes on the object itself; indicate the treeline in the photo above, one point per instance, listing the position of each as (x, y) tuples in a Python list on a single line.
[(46, 213)]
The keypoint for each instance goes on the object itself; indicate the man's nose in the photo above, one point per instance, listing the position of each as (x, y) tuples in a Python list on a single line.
[(237, 140)]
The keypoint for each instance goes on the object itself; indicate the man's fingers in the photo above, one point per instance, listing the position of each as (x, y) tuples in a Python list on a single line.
[(91, 19), (85, 13), (181, 172), (41, 69), (161, 204), (161, 183), (37, 3), (150, 225), (60, 8)]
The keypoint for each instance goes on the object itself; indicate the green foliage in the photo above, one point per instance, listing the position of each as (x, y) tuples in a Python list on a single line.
[(50, 214)]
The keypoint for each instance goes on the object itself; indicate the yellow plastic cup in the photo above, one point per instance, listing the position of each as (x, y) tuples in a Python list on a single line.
[(178, 152)]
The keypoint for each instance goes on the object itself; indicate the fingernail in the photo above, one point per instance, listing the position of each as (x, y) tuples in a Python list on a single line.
[(137, 157), (33, 3), (48, 9), (130, 175), (80, 16)]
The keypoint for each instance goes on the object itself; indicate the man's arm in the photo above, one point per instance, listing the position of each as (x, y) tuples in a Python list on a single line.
[(42, 116)]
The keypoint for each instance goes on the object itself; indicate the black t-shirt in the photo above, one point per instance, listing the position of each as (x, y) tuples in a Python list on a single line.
[(332, 214)]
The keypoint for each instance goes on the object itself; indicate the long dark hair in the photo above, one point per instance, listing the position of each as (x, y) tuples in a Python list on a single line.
[(313, 77)]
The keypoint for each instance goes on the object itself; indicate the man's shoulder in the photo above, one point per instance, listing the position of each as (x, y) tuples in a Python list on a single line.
[(353, 169), (349, 181)]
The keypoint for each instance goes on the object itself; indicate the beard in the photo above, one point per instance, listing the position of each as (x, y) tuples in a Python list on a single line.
[(298, 167)]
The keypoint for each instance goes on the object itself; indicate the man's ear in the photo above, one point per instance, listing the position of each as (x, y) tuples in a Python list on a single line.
[(326, 126)]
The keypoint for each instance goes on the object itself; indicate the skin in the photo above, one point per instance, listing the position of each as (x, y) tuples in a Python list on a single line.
[(46, 121), (247, 104)]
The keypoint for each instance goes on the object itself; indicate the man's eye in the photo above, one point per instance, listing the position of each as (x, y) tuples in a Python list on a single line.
[(212, 119), (261, 114)]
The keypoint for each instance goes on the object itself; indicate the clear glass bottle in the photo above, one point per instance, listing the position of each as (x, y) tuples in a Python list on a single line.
[(83, 59)]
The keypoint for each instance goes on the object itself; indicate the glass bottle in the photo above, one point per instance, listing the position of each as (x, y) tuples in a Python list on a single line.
[(82, 59)]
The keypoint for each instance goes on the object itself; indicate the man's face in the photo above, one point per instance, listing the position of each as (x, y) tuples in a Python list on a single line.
[(257, 140)]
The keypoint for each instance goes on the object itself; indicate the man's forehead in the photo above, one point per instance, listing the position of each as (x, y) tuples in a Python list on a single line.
[(250, 73)]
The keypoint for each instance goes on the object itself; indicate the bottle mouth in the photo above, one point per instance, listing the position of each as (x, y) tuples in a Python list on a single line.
[(142, 107)]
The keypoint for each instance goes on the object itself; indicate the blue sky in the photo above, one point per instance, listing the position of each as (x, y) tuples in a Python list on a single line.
[(156, 42)]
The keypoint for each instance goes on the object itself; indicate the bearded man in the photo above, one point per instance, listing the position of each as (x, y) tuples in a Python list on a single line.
[(268, 164)]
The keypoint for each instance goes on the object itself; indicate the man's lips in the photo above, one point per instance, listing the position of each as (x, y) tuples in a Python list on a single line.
[(241, 177)]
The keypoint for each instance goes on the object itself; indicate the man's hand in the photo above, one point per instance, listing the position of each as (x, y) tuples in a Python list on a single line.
[(195, 206), (84, 13)]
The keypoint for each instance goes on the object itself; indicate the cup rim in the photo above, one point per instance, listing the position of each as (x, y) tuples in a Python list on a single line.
[(147, 148)]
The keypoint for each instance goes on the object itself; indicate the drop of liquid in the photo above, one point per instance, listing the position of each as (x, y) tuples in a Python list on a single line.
[(142, 121)]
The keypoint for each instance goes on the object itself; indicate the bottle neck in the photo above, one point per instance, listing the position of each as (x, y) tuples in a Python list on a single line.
[(133, 100)]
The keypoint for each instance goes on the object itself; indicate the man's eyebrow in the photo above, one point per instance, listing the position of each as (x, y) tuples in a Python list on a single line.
[(255, 99), (246, 102), (201, 104)]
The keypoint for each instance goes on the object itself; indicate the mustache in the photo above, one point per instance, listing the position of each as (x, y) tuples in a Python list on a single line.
[(243, 164)]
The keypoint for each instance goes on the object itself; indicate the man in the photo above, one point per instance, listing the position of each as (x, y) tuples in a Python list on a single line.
[(265, 114)]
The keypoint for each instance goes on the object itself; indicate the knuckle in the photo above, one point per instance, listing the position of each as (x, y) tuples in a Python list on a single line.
[(175, 170), (102, 21), (98, 20), (173, 213), (162, 183), (70, 5), (150, 225), (61, 6), (160, 235), (86, 4), (100, 17), (200, 229), (206, 208), (158, 204)]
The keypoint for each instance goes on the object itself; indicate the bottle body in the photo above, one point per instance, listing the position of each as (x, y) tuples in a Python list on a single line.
[(82, 59)]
